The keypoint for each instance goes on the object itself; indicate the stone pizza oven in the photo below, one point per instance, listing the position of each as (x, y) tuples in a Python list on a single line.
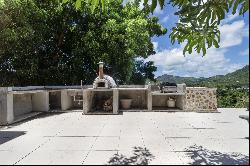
[(100, 82), (103, 97), (103, 81)]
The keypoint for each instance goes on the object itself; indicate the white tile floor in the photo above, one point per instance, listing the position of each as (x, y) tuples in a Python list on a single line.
[(131, 138)]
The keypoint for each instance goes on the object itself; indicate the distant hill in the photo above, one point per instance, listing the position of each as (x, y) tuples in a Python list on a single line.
[(178, 79), (239, 78)]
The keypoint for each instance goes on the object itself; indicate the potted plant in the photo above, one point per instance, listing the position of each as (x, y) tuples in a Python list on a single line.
[(126, 103)]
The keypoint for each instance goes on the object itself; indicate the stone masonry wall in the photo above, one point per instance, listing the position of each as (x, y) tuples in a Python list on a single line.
[(201, 99)]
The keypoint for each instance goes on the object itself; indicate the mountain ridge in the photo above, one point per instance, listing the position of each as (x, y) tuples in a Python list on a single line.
[(238, 78)]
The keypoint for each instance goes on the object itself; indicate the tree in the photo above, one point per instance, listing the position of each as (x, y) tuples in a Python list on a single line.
[(142, 72), (50, 43), (198, 23)]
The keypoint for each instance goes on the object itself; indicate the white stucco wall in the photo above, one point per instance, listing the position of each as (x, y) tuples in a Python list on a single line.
[(40, 101), (66, 100), (22, 104), (6, 107)]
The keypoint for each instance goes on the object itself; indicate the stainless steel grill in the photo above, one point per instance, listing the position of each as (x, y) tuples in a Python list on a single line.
[(167, 87)]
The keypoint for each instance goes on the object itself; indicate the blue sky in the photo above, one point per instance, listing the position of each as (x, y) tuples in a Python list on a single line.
[(232, 55)]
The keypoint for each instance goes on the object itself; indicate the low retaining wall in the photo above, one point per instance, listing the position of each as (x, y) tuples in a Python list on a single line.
[(201, 99)]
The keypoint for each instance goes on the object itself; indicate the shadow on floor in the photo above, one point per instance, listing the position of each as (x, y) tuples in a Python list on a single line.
[(141, 156), (201, 156), (6, 136), (39, 116)]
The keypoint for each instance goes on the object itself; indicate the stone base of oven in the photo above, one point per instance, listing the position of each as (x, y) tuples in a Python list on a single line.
[(88, 95)]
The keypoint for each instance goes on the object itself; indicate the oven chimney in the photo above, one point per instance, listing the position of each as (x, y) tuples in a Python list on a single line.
[(101, 75)]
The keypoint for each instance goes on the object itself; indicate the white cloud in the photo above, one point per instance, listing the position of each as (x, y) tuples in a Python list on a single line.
[(165, 19), (156, 44), (172, 61), (158, 10), (232, 34), (230, 18), (214, 63), (245, 52)]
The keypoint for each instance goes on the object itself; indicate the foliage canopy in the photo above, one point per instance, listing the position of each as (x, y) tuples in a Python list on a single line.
[(51, 43), (198, 19)]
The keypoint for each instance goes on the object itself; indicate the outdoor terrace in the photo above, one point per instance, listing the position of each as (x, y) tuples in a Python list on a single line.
[(128, 138)]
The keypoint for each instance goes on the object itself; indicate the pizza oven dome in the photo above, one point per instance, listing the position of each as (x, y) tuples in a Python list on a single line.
[(103, 81)]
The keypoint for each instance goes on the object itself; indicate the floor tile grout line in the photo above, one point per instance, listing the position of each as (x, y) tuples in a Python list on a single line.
[(119, 138), (141, 133), (162, 134), (35, 149), (94, 143), (165, 138), (151, 119)]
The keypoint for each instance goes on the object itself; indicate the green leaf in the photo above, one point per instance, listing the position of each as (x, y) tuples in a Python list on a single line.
[(94, 4), (216, 44), (213, 16), (153, 6), (191, 45), (244, 7), (78, 4), (221, 13), (198, 48), (161, 3), (204, 50), (172, 37), (209, 42), (185, 49), (236, 4), (65, 1), (103, 4), (231, 3), (208, 18)]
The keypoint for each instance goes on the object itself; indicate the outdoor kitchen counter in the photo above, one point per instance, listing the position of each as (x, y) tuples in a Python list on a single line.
[(26, 92), (104, 89), (159, 101), (132, 88), (168, 94)]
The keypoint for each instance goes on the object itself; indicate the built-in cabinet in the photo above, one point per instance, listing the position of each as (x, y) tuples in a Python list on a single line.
[(160, 100)]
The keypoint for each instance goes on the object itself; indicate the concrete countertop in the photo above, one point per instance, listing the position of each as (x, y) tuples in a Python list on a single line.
[(116, 89), (132, 88), (167, 94), (26, 91)]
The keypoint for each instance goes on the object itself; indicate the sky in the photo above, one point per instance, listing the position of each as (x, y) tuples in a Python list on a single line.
[(233, 53)]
